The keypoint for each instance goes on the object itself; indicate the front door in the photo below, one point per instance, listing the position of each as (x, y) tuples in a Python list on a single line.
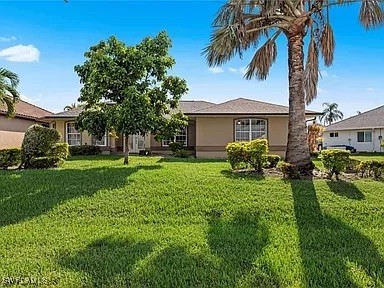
[(136, 143)]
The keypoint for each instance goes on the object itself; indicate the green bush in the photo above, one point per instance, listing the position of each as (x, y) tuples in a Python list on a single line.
[(181, 153), (175, 146), (315, 154), (84, 150), (271, 161), (10, 157), (236, 154), (373, 169), (352, 166), (289, 171), (37, 142), (45, 162), (255, 153), (335, 161), (59, 150)]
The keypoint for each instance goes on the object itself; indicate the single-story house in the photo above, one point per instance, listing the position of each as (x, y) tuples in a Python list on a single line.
[(363, 131), (12, 130), (210, 128)]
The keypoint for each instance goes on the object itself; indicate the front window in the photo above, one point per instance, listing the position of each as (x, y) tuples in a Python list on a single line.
[(73, 135), (249, 129), (364, 136), (334, 134), (180, 137), (102, 142)]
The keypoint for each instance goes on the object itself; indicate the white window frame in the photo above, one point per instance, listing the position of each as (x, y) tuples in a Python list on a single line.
[(164, 141), (334, 134), (95, 141), (365, 136), (251, 130), (71, 133)]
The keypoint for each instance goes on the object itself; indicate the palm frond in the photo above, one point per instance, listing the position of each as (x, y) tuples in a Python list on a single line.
[(327, 43), (371, 14), (262, 61), (311, 72), (11, 76), (10, 103)]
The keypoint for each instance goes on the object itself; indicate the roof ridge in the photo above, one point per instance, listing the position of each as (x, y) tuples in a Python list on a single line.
[(354, 116), (34, 105)]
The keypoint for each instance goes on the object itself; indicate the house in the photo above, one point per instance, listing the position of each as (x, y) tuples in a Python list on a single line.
[(12, 130), (364, 131), (210, 128)]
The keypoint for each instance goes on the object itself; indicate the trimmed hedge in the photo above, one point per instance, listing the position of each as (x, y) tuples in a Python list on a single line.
[(271, 161), (84, 150), (248, 153), (45, 162), (289, 171), (10, 157), (181, 153), (335, 161), (373, 169), (59, 150)]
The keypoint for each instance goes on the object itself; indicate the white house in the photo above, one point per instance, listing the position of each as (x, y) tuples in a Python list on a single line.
[(364, 131)]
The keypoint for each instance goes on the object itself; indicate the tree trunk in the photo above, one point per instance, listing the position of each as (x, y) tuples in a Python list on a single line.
[(297, 146), (126, 149)]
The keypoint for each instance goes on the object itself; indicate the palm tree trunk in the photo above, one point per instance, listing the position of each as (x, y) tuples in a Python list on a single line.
[(126, 149), (297, 146)]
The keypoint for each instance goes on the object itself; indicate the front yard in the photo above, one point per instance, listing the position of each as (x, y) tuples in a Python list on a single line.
[(188, 223)]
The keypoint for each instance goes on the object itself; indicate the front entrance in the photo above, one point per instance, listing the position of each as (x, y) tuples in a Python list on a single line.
[(136, 143)]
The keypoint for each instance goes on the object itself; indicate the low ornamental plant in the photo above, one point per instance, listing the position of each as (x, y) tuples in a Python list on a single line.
[(10, 157), (236, 154), (335, 161), (271, 161), (289, 171)]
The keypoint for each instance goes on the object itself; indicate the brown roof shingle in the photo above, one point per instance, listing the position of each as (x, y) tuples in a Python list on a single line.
[(370, 119), (27, 110)]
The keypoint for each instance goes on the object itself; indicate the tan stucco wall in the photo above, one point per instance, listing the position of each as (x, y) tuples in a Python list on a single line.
[(12, 131)]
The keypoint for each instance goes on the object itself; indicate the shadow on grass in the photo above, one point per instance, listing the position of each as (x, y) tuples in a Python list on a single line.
[(25, 194), (229, 261), (242, 174), (329, 246), (345, 189)]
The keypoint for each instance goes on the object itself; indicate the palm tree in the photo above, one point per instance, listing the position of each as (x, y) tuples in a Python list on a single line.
[(8, 93), (331, 113), (241, 24), (70, 107)]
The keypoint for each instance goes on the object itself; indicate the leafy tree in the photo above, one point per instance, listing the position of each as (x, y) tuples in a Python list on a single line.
[(331, 113), (242, 24), (8, 93), (127, 89), (71, 106)]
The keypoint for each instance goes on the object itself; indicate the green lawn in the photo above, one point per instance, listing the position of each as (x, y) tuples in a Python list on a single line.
[(191, 223)]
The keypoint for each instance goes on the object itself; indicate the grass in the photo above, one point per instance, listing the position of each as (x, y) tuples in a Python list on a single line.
[(188, 223)]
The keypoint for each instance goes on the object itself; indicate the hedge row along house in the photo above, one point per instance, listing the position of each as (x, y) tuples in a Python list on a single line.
[(210, 128), (12, 130)]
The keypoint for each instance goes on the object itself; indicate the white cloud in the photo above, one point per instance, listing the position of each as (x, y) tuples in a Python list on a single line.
[(370, 89), (233, 70), (241, 70), (7, 39), (216, 70), (21, 53), (324, 73)]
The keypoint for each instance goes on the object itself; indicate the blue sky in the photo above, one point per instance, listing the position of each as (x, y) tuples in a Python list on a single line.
[(43, 40)]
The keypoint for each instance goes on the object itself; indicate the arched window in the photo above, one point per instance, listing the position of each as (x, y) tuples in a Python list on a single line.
[(249, 129)]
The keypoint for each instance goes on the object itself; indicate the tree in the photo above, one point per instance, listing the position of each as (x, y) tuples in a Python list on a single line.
[(242, 24), (8, 93), (71, 106), (127, 90), (331, 113)]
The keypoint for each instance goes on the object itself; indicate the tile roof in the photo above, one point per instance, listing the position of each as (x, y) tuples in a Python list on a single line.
[(27, 110), (370, 119), (190, 106), (67, 114), (247, 106)]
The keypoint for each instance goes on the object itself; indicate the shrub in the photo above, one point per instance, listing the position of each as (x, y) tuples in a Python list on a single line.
[(10, 157), (145, 152), (335, 161), (315, 154), (289, 171), (175, 146), (256, 151), (84, 150), (236, 153), (352, 166), (45, 162), (37, 142), (271, 161), (363, 168), (373, 169), (59, 150), (181, 153)]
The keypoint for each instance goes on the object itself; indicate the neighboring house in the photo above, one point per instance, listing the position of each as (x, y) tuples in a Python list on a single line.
[(211, 127), (364, 131), (12, 130)]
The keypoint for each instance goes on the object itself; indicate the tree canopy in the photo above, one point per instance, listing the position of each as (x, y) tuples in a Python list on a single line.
[(127, 89)]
